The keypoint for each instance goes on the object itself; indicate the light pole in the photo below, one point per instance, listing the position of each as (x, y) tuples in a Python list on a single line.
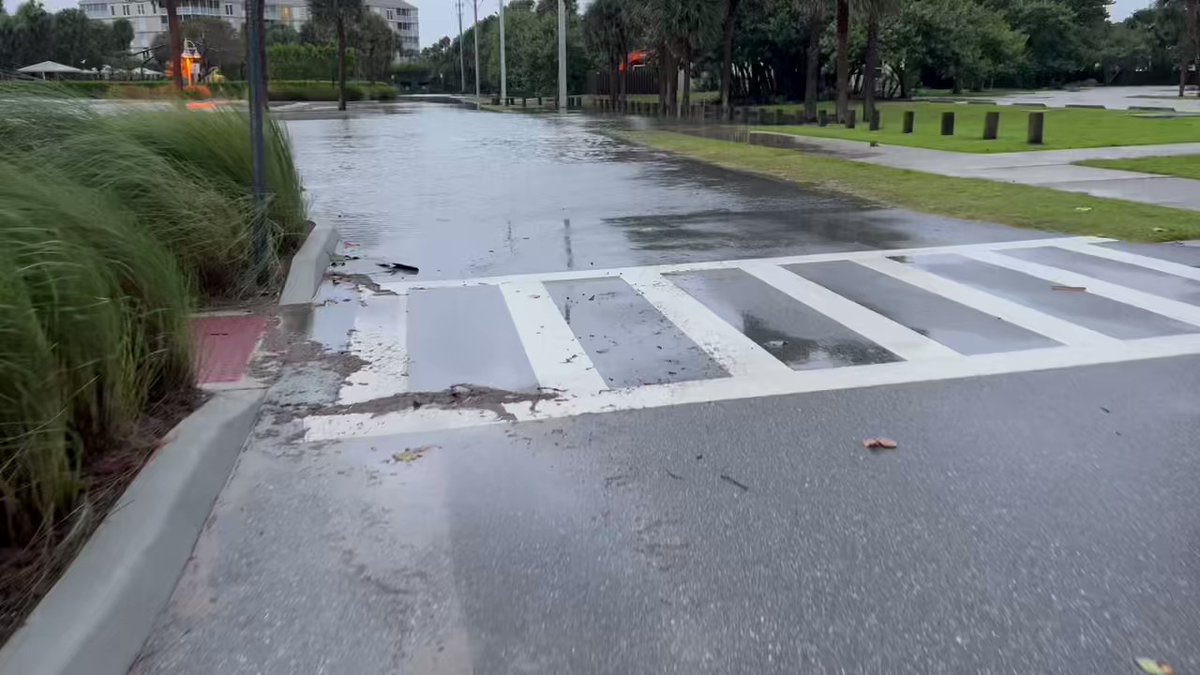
[(475, 30), (462, 55), (503, 70), (562, 55)]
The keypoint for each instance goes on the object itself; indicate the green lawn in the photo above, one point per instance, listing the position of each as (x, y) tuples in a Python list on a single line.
[(967, 198), (1184, 166), (1065, 128)]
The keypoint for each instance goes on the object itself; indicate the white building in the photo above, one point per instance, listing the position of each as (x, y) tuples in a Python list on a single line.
[(149, 17)]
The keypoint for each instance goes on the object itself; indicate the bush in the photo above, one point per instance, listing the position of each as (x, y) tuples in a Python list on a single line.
[(110, 227), (325, 91)]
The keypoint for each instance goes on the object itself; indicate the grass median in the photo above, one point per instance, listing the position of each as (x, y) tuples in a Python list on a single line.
[(966, 198), (1064, 128), (1181, 166)]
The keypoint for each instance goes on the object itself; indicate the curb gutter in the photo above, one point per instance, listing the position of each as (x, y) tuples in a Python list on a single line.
[(96, 618), (309, 265)]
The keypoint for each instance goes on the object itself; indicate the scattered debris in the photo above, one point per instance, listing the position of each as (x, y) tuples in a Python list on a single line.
[(874, 144), (674, 475), (1083, 209), (699, 456), (775, 344), (411, 455), (1158, 229), (1071, 289), (394, 267), (571, 358), (1154, 667), (880, 444), (1105, 409), (734, 482)]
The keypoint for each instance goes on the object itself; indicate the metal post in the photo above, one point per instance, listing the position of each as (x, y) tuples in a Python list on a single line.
[(503, 70), (562, 55), (462, 55), (257, 153), (475, 30)]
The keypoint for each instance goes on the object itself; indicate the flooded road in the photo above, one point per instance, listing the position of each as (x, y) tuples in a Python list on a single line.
[(460, 194), (639, 449)]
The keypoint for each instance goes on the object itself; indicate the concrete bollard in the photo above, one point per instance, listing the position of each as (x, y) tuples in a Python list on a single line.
[(524, 101), (874, 123), (822, 118), (1037, 125), (851, 119), (910, 119), (947, 124), (539, 101), (991, 126)]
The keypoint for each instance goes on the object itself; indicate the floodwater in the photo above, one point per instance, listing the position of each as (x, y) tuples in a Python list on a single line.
[(463, 194)]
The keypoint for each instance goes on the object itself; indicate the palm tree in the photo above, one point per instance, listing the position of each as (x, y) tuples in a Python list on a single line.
[(731, 7), (843, 59), (339, 14), (175, 42), (682, 25), (814, 14), (875, 11)]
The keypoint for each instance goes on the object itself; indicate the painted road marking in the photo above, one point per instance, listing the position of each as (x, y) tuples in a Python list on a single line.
[(559, 360), (728, 346), (1180, 311), (1017, 314), (897, 339), (380, 339), (1146, 262)]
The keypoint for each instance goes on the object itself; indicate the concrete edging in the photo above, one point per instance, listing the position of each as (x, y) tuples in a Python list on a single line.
[(96, 618), (309, 265)]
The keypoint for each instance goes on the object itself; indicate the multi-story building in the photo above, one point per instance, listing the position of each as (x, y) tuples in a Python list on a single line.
[(149, 17)]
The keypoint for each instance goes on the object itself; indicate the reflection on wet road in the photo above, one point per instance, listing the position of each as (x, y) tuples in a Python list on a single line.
[(463, 195)]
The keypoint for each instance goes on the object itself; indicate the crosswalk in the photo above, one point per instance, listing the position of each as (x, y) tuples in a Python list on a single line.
[(595, 341)]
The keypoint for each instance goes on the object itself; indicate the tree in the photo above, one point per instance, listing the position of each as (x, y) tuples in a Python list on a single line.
[(814, 13), (122, 33), (175, 42), (728, 27), (338, 14), (843, 59), (606, 32), (281, 34), (875, 11), (220, 45), (375, 45)]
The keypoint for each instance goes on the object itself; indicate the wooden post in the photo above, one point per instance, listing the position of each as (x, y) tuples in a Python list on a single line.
[(874, 123), (851, 119), (1037, 124), (947, 124), (991, 126), (910, 118), (822, 118)]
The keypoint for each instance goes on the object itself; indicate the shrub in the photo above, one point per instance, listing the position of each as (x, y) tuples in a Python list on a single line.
[(110, 226)]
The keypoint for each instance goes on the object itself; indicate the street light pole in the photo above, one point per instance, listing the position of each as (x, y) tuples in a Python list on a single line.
[(503, 70), (462, 54), (258, 95), (475, 30), (562, 55)]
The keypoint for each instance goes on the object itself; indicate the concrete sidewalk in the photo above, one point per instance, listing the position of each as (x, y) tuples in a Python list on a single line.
[(1048, 168)]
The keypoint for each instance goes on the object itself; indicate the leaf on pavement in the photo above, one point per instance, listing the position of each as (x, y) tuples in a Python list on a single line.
[(879, 444), (1154, 667)]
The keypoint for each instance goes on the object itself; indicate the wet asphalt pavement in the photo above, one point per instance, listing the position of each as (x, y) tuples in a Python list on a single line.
[(1039, 519)]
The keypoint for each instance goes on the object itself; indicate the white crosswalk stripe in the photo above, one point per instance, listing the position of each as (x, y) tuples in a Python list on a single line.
[(560, 362)]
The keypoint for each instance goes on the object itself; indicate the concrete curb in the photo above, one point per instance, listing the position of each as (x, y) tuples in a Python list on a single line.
[(309, 265), (96, 618)]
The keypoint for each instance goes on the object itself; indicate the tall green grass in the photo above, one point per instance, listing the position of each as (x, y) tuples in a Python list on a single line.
[(113, 227)]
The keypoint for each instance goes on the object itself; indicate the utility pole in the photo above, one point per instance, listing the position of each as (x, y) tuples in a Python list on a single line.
[(258, 95), (503, 70), (462, 54), (475, 30), (562, 55)]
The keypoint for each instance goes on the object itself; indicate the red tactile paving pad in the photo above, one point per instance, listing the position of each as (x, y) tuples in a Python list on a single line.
[(224, 345)]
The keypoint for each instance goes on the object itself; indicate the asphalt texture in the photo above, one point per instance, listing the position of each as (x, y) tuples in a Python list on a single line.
[(1032, 522)]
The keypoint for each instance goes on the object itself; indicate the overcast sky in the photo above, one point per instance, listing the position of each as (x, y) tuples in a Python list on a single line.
[(440, 17)]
